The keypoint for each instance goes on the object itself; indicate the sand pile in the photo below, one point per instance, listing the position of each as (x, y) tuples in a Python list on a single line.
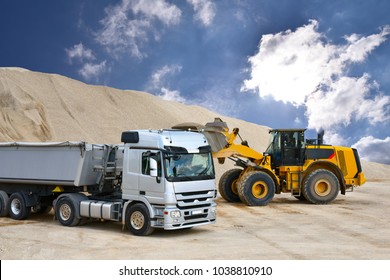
[(48, 107)]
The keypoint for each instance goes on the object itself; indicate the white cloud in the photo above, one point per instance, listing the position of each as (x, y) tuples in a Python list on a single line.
[(92, 71), (344, 101), (84, 56), (79, 52), (161, 75), (129, 25), (160, 81), (373, 149), (303, 68), (171, 95), (205, 11)]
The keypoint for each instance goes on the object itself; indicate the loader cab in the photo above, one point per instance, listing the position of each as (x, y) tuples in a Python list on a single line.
[(286, 147)]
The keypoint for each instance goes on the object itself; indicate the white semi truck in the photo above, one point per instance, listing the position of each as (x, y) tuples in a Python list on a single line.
[(155, 179)]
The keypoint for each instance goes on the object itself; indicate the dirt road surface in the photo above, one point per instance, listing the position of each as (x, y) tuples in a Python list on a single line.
[(355, 226)]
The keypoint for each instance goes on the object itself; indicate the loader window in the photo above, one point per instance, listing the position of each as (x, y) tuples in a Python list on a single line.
[(292, 148), (286, 147)]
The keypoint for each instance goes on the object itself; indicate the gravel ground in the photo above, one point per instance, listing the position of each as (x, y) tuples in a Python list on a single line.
[(355, 226)]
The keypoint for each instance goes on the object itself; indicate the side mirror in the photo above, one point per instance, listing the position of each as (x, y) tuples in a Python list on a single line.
[(153, 167)]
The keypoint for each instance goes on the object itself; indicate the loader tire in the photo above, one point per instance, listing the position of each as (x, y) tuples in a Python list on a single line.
[(17, 207), (228, 185), (256, 188), (4, 204), (321, 187), (66, 212), (138, 220)]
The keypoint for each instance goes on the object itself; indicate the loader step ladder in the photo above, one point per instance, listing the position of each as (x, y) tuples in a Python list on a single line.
[(295, 180), (104, 156)]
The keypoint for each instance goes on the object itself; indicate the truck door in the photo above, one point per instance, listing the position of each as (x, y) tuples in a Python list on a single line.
[(151, 178)]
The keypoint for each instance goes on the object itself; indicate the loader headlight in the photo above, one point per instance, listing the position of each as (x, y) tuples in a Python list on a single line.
[(175, 214)]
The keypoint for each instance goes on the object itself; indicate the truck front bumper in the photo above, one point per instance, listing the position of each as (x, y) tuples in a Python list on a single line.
[(175, 218)]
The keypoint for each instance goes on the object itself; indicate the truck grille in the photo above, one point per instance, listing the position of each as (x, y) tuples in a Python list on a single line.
[(191, 200)]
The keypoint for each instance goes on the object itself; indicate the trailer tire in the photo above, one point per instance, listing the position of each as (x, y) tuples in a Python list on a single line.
[(321, 187), (4, 204), (17, 207), (66, 212), (256, 188), (228, 185), (138, 220)]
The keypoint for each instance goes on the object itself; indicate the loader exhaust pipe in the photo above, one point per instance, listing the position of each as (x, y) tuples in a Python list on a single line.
[(320, 137)]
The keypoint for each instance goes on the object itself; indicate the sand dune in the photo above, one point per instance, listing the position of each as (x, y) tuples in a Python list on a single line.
[(48, 107)]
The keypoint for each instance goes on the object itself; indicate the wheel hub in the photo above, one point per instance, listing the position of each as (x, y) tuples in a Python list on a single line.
[(65, 212), (259, 189), (137, 220), (322, 188), (16, 206)]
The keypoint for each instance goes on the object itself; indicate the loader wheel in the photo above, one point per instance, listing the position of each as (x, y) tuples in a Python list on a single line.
[(228, 185), (256, 188), (138, 220), (66, 213), (17, 207), (321, 187), (4, 204)]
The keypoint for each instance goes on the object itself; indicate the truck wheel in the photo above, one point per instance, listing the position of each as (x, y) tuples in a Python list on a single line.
[(4, 204), (321, 187), (138, 220), (256, 188), (66, 213), (228, 185), (17, 207)]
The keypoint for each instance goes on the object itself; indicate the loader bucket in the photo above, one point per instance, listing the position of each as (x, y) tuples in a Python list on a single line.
[(215, 132)]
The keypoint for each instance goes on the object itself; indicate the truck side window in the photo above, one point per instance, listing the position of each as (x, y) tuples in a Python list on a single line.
[(146, 162)]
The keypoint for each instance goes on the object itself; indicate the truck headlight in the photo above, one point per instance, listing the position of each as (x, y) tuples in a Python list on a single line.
[(175, 214), (214, 210)]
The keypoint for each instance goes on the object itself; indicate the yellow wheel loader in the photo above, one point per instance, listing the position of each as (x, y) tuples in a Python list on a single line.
[(308, 169)]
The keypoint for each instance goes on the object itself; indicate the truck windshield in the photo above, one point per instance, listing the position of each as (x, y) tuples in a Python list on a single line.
[(189, 167)]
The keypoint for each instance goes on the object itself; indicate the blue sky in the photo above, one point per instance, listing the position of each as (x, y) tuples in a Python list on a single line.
[(279, 63)]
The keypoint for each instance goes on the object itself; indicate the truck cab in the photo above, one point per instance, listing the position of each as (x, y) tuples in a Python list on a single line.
[(170, 172)]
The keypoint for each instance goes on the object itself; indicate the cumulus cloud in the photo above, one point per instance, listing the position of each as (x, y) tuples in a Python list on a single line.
[(373, 149), (304, 68), (160, 81), (171, 95), (205, 11), (93, 70), (129, 25), (85, 59), (79, 52)]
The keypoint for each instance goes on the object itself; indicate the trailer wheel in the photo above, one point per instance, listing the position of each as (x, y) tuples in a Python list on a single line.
[(256, 188), (66, 213), (321, 187), (4, 204), (138, 220), (228, 185), (17, 207)]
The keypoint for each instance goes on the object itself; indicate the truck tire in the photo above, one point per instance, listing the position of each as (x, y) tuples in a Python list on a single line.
[(17, 207), (256, 188), (138, 220), (4, 204), (321, 187), (228, 185), (66, 213)]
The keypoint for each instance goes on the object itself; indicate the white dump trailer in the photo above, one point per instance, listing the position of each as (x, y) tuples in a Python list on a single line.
[(155, 179)]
